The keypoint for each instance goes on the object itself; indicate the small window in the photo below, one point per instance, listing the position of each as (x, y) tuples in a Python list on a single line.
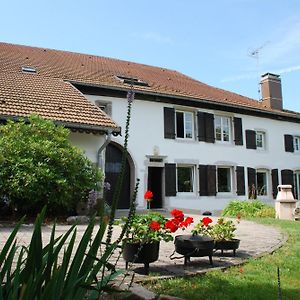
[(223, 128), (260, 140), (261, 183), (132, 80), (184, 125), (30, 70), (296, 142), (185, 179), (224, 180)]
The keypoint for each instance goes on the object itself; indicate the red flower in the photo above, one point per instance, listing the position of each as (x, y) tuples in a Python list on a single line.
[(155, 226), (187, 222), (206, 221), (171, 226), (177, 214), (238, 216), (148, 195)]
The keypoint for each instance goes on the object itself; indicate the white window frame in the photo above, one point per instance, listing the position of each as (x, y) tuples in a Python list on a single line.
[(267, 184), (263, 140), (296, 144), (192, 167), (297, 184), (230, 178), (185, 113), (222, 126)]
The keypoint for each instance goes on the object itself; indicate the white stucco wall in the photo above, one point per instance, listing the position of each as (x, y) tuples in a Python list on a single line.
[(147, 133), (88, 142)]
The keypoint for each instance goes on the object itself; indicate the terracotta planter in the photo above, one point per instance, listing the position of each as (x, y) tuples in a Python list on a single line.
[(194, 246), (141, 254), (227, 245)]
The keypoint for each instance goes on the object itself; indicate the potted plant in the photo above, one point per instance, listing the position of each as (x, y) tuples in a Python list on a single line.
[(197, 244), (224, 236), (223, 233), (141, 245)]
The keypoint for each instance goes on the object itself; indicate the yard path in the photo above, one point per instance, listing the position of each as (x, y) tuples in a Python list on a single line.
[(256, 240)]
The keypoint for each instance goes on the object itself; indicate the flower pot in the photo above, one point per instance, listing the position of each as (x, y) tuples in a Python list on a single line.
[(194, 246), (227, 245), (141, 253)]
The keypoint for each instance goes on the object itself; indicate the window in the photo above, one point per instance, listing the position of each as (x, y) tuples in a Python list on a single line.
[(185, 179), (260, 140), (296, 143), (261, 183), (224, 180), (297, 185), (223, 128), (184, 125)]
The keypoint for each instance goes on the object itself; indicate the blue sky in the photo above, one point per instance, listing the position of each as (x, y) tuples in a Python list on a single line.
[(210, 40)]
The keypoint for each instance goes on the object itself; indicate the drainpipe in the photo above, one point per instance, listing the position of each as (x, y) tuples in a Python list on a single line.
[(100, 163)]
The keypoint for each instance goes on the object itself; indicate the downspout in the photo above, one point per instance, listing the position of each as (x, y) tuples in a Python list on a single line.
[(100, 163)]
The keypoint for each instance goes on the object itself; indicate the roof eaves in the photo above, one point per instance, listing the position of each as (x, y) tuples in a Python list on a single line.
[(73, 126), (244, 108)]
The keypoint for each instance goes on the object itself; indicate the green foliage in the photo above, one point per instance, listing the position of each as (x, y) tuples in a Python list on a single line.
[(39, 166), (250, 208), (140, 229), (223, 230), (40, 273)]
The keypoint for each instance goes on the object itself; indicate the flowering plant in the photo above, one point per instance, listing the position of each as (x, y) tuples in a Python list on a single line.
[(148, 196), (223, 230), (153, 226), (203, 227)]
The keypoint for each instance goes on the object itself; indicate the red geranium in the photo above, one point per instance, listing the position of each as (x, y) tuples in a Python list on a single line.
[(154, 226), (171, 226), (177, 214), (187, 222), (148, 195), (206, 221)]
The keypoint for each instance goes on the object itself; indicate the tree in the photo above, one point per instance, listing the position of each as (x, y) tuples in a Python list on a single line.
[(38, 166)]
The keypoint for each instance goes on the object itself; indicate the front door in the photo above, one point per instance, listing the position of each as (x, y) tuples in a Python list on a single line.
[(113, 159), (155, 185)]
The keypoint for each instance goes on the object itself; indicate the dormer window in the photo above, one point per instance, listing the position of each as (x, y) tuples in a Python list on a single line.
[(132, 80), (30, 70)]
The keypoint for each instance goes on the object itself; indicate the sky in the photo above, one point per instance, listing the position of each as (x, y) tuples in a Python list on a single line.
[(228, 44)]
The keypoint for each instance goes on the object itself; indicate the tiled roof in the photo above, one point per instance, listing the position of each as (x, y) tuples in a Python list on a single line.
[(51, 98), (102, 71)]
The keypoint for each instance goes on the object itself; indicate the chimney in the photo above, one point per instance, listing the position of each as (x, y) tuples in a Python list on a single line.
[(271, 91)]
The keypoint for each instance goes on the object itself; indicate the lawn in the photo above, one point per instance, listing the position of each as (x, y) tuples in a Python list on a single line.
[(257, 279)]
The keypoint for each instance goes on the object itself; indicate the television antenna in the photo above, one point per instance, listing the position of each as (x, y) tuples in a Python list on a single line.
[(255, 53)]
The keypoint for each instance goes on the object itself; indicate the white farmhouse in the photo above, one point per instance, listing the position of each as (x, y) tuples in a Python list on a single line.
[(195, 146)]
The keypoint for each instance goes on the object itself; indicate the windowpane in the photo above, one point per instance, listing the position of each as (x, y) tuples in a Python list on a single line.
[(222, 128), (260, 139), (224, 180), (179, 125), (185, 179), (261, 183), (296, 143), (188, 125)]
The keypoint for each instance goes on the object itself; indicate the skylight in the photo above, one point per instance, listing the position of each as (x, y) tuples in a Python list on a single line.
[(27, 69), (132, 80)]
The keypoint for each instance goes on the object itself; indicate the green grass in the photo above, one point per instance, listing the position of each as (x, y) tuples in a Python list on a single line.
[(257, 279)]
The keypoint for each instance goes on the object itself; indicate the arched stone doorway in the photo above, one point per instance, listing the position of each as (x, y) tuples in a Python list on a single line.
[(113, 159)]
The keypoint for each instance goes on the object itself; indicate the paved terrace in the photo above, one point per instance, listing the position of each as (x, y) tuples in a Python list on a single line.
[(256, 240)]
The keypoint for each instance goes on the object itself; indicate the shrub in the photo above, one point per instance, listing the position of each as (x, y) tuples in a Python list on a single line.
[(39, 166), (250, 208)]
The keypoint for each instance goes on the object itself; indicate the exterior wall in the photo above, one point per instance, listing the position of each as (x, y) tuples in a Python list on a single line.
[(147, 140), (89, 143)]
